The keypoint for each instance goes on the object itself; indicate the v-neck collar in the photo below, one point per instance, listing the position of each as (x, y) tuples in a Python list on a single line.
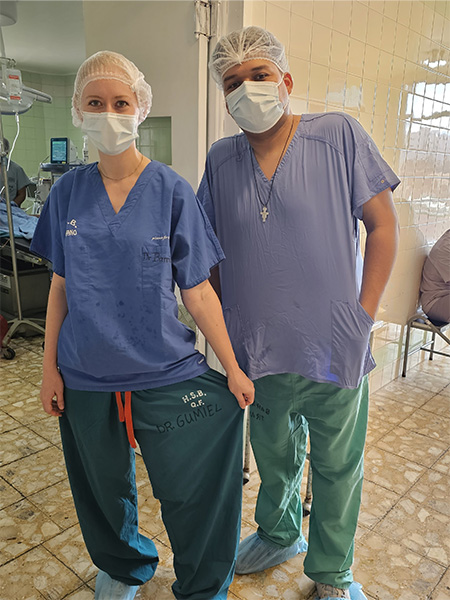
[(289, 150), (114, 220)]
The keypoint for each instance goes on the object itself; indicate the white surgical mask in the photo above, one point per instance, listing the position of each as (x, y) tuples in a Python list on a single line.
[(256, 105), (109, 132)]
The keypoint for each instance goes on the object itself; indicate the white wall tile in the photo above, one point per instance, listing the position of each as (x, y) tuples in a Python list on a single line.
[(321, 44), (323, 12), (300, 36), (342, 17), (280, 20), (339, 50), (360, 13), (302, 8)]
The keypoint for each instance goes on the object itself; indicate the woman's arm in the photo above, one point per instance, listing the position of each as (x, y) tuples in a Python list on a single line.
[(204, 306), (52, 383)]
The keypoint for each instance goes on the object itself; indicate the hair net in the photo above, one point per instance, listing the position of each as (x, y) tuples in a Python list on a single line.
[(245, 44), (111, 65)]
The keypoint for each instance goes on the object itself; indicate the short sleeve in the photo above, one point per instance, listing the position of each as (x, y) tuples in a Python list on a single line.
[(370, 174), (195, 248), (47, 239), (22, 178)]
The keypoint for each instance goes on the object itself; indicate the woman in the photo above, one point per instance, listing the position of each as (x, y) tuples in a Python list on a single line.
[(118, 364)]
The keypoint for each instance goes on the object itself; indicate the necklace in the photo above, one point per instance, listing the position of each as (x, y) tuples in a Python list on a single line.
[(120, 178), (265, 212)]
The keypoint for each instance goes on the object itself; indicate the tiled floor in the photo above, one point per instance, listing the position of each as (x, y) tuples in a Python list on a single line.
[(403, 541)]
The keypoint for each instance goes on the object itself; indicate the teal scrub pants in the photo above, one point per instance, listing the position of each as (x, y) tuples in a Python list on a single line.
[(190, 435), (286, 407)]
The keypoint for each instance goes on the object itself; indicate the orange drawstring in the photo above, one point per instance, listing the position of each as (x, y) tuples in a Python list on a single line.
[(125, 415), (120, 407)]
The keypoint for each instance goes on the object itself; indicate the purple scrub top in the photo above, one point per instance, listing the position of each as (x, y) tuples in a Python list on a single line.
[(290, 285)]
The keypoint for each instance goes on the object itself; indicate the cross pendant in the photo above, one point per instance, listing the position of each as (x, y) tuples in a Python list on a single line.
[(264, 214)]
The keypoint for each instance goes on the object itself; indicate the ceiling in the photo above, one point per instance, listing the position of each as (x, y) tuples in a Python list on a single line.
[(48, 36)]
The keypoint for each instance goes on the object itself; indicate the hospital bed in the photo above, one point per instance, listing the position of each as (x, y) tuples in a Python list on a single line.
[(32, 280)]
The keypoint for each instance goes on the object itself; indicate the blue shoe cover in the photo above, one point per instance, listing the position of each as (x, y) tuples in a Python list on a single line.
[(255, 555), (355, 590), (107, 588)]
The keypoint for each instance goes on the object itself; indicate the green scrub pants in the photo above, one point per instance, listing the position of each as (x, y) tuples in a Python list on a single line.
[(286, 406), (190, 435)]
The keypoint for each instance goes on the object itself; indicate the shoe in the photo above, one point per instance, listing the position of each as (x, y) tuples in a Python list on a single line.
[(328, 592), (255, 555), (107, 588)]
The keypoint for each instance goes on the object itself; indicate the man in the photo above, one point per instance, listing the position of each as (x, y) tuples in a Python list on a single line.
[(17, 180), (435, 284), (285, 197)]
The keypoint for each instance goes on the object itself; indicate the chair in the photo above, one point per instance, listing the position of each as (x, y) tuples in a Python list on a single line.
[(424, 323)]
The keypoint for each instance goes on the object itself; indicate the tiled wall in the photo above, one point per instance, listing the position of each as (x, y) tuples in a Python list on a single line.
[(388, 65), (43, 121)]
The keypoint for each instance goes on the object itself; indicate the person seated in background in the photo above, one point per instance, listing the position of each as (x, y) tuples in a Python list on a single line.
[(17, 180), (435, 284)]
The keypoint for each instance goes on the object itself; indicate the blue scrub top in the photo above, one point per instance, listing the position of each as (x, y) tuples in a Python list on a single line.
[(122, 331), (290, 286), (17, 179)]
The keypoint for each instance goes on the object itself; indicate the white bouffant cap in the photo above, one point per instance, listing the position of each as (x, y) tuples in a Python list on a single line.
[(245, 44), (111, 65)]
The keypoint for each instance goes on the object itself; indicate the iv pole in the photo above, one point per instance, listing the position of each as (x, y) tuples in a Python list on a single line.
[(29, 96), (18, 322)]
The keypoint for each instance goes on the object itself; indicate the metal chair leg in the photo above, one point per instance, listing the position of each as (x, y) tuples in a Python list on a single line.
[(433, 339), (405, 358)]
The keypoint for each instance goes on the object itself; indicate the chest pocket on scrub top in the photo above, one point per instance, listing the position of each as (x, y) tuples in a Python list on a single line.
[(156, 263)]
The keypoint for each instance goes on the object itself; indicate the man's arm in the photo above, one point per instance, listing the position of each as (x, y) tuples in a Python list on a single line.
[(20, 197), (381, 223)]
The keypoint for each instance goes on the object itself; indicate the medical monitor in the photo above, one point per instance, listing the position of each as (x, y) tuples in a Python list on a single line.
[(62, 151)]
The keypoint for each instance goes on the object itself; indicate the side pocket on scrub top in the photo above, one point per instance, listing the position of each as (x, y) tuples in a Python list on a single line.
[(350, 338)]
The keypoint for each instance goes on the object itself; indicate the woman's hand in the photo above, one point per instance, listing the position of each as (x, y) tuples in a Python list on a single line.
[(52, 392), (203, 304), (52, 388), (241, 387)]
